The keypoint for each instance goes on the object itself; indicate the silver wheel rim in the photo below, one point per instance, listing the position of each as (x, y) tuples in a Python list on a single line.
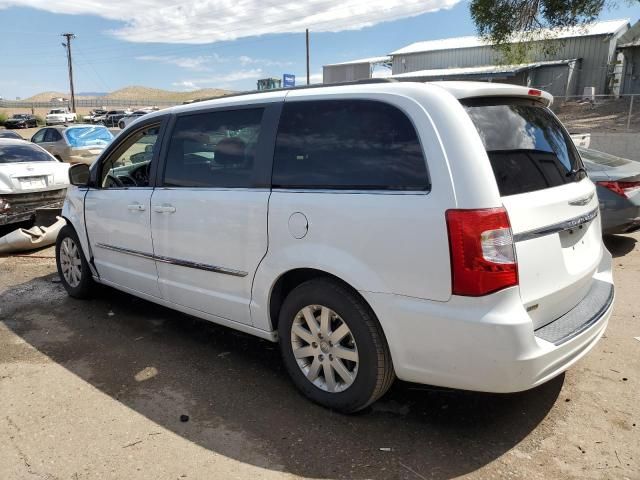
[(70, 262), (324, 348)]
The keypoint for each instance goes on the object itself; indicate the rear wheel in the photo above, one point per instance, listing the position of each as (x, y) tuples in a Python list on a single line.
[(333, 346), (73, 268)]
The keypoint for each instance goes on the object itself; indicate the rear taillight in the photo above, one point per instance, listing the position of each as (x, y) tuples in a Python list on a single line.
[(482, 251), (535, 92), (624, 189)]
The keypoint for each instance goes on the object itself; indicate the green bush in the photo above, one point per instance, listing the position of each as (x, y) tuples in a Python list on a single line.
[(3, 118), (40, 120)]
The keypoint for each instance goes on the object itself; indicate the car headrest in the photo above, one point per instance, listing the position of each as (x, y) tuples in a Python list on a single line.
[(230, 151)]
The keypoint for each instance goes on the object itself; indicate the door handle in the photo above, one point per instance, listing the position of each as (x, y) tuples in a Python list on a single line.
[(164, 208), (136, 207)]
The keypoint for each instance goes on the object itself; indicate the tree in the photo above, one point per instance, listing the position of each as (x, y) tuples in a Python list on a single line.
[(498, 21)]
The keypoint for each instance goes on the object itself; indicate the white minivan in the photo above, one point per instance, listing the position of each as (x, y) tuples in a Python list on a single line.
[(443, 233)]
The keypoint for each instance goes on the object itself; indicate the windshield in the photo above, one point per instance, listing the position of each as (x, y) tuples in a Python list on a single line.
[(23, 153), (88, 136), (527, 146), (57, 111), (20, 115)]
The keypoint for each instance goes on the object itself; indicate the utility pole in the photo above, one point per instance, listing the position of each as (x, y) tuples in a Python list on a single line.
[(70, 36), (308, 81)]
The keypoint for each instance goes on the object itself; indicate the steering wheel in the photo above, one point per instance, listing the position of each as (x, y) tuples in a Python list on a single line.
[(111, 181)]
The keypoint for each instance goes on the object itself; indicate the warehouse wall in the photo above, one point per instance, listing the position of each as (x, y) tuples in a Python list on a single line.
[(631, 75), (595, 53), (345, 73)]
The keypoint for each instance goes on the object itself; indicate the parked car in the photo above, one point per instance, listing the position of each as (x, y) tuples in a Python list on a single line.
[(21, 120), (618, 186), (113, 117), (127, 119), (97, 116), (443, 233), (58, 116), (80, 143), (10, 134), (30, 178)]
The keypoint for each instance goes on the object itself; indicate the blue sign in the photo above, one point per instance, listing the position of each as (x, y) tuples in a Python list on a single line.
[(288, 80)]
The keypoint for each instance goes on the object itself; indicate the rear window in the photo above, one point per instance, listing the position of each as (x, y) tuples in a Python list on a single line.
[(23, 153), (527, 146), (347, 144), (79, 137)]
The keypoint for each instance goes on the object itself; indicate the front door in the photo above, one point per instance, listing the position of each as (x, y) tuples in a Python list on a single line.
[(118, 214), (209, 214)]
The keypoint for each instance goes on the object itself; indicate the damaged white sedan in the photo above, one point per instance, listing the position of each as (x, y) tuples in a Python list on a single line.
[(30, 178)]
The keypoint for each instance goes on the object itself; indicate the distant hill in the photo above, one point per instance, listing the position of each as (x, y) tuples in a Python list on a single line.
[(136, 93), (146, 93), (46, 96)]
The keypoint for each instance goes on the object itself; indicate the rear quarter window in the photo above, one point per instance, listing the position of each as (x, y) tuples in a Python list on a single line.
[(527, 146), (347, 144)]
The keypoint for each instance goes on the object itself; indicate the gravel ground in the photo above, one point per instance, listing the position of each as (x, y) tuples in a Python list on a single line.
[(96, 389)]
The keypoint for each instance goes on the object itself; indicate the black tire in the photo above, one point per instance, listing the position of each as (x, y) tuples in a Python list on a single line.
[(375, 372), (86, 284)]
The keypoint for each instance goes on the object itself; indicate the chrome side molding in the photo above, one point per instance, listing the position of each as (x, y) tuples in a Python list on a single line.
[(175, 261), (570, 224)]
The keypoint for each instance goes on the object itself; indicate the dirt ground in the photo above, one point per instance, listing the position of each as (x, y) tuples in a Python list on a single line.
[(95, 389)]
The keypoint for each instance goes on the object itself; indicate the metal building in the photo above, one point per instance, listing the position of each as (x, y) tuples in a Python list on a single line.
[(629, 46), (580, 57), (354, 69)]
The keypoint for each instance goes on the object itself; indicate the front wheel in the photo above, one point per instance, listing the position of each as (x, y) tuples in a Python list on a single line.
[(333, 346), (73, 268)]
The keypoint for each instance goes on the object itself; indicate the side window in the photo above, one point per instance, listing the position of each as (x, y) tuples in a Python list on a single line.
[(347, 144), (52, 135), (128, 166), (39, 136), (214, 149)]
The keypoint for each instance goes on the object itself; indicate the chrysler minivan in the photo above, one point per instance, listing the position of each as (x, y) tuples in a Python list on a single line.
[(443, 233)]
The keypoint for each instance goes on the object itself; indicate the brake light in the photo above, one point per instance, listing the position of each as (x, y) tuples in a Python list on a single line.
[(624, 189), (535, 92), (482, 251)]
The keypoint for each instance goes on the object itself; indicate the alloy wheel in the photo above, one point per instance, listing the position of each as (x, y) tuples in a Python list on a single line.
[(70, 262), (324, 348)]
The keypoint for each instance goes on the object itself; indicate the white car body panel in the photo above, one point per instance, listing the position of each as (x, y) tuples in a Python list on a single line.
[(27, 177), (235, 237), (121, 218), (392, 247)]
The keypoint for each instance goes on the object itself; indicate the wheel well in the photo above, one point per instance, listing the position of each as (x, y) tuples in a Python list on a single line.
[(290, 280)]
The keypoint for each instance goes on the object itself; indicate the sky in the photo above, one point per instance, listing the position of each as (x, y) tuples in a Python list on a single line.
[(190, 44)]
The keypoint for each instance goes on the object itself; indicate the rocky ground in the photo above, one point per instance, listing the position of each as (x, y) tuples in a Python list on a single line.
[(96, 389)]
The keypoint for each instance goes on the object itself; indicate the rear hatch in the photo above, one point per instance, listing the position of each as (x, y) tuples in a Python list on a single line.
[(552, 206)]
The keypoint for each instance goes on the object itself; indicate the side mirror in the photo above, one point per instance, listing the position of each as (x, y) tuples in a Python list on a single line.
[(79, 175)]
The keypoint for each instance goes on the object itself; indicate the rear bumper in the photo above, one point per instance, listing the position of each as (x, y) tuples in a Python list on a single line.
[(486, 344), (23, 205)]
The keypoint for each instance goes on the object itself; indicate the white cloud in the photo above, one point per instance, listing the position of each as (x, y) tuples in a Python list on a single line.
[(206, 62), (208, 21), (191, 63)]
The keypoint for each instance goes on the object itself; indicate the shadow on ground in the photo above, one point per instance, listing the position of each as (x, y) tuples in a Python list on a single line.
[(163, 364), (619, 245)]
